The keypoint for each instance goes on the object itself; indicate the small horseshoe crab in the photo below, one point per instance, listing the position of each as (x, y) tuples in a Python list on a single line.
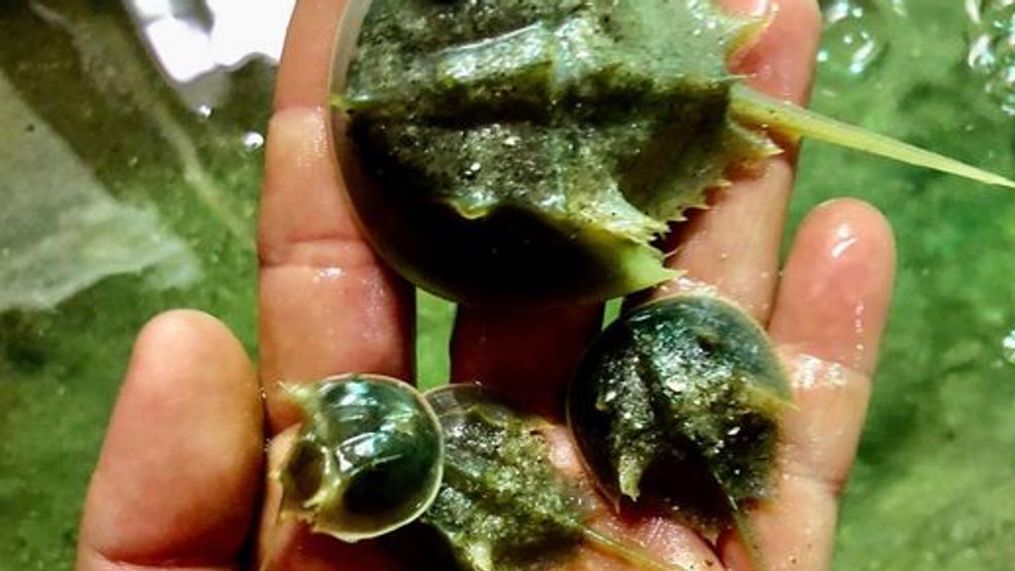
[(678, 404), (368, 458), (497, 502)]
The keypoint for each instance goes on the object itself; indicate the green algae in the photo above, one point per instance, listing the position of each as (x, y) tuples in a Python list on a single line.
[(60, 368), (937, 436)]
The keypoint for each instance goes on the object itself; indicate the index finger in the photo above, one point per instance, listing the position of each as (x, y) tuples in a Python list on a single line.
[(328, 304)]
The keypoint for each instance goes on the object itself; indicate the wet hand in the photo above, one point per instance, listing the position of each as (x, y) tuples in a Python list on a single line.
[(181, 481)]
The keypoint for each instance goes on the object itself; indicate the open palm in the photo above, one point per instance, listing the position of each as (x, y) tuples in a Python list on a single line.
[(181, 482)]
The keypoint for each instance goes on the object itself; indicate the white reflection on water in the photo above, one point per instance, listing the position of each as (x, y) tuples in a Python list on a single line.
[(1008, 346), (113, 65), (992, 48), (253, 141), (856, 35), (196, 43), (60, 230)]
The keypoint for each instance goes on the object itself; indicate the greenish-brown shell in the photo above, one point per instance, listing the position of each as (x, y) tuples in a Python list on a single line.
[(530, 151), (679, 402), (368, 458), (503, 505)]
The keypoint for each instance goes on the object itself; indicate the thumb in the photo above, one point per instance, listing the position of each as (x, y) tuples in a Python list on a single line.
[(179, 471)]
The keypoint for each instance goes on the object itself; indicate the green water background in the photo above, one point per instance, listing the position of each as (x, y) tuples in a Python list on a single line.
[(934, 485)]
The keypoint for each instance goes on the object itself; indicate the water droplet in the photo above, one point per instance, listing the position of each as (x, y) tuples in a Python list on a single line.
[(472, 171), (856, 36), (1008, 347), (810, 372), (991, 53), (253, 141), (328, 274)]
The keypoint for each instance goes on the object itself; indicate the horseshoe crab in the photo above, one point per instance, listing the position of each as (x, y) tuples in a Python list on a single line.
[(531, 152)]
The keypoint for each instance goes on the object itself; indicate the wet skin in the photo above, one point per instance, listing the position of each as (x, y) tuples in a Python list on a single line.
[(327, 305)]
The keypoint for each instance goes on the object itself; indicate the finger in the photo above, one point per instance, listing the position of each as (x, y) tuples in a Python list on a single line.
[(328, 305), (734, 245), (837, 286), (529, 356), (287, 544), (180, 469), (829, 317)]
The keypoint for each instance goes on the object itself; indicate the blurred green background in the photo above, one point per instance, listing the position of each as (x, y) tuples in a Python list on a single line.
[(123, 194)]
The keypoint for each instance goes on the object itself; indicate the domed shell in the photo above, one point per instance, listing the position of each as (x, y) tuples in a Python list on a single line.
[(679, 403), (368, 459)]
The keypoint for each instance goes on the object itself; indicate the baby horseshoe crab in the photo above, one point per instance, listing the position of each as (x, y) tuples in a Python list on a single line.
[(368, 459), (678, 405), (473, 477)]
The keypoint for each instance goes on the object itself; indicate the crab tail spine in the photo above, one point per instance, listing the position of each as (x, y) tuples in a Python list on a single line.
[(630, 552), (791, 120)]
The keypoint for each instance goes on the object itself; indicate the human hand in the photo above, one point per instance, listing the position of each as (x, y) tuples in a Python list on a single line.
[(181, 479)]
